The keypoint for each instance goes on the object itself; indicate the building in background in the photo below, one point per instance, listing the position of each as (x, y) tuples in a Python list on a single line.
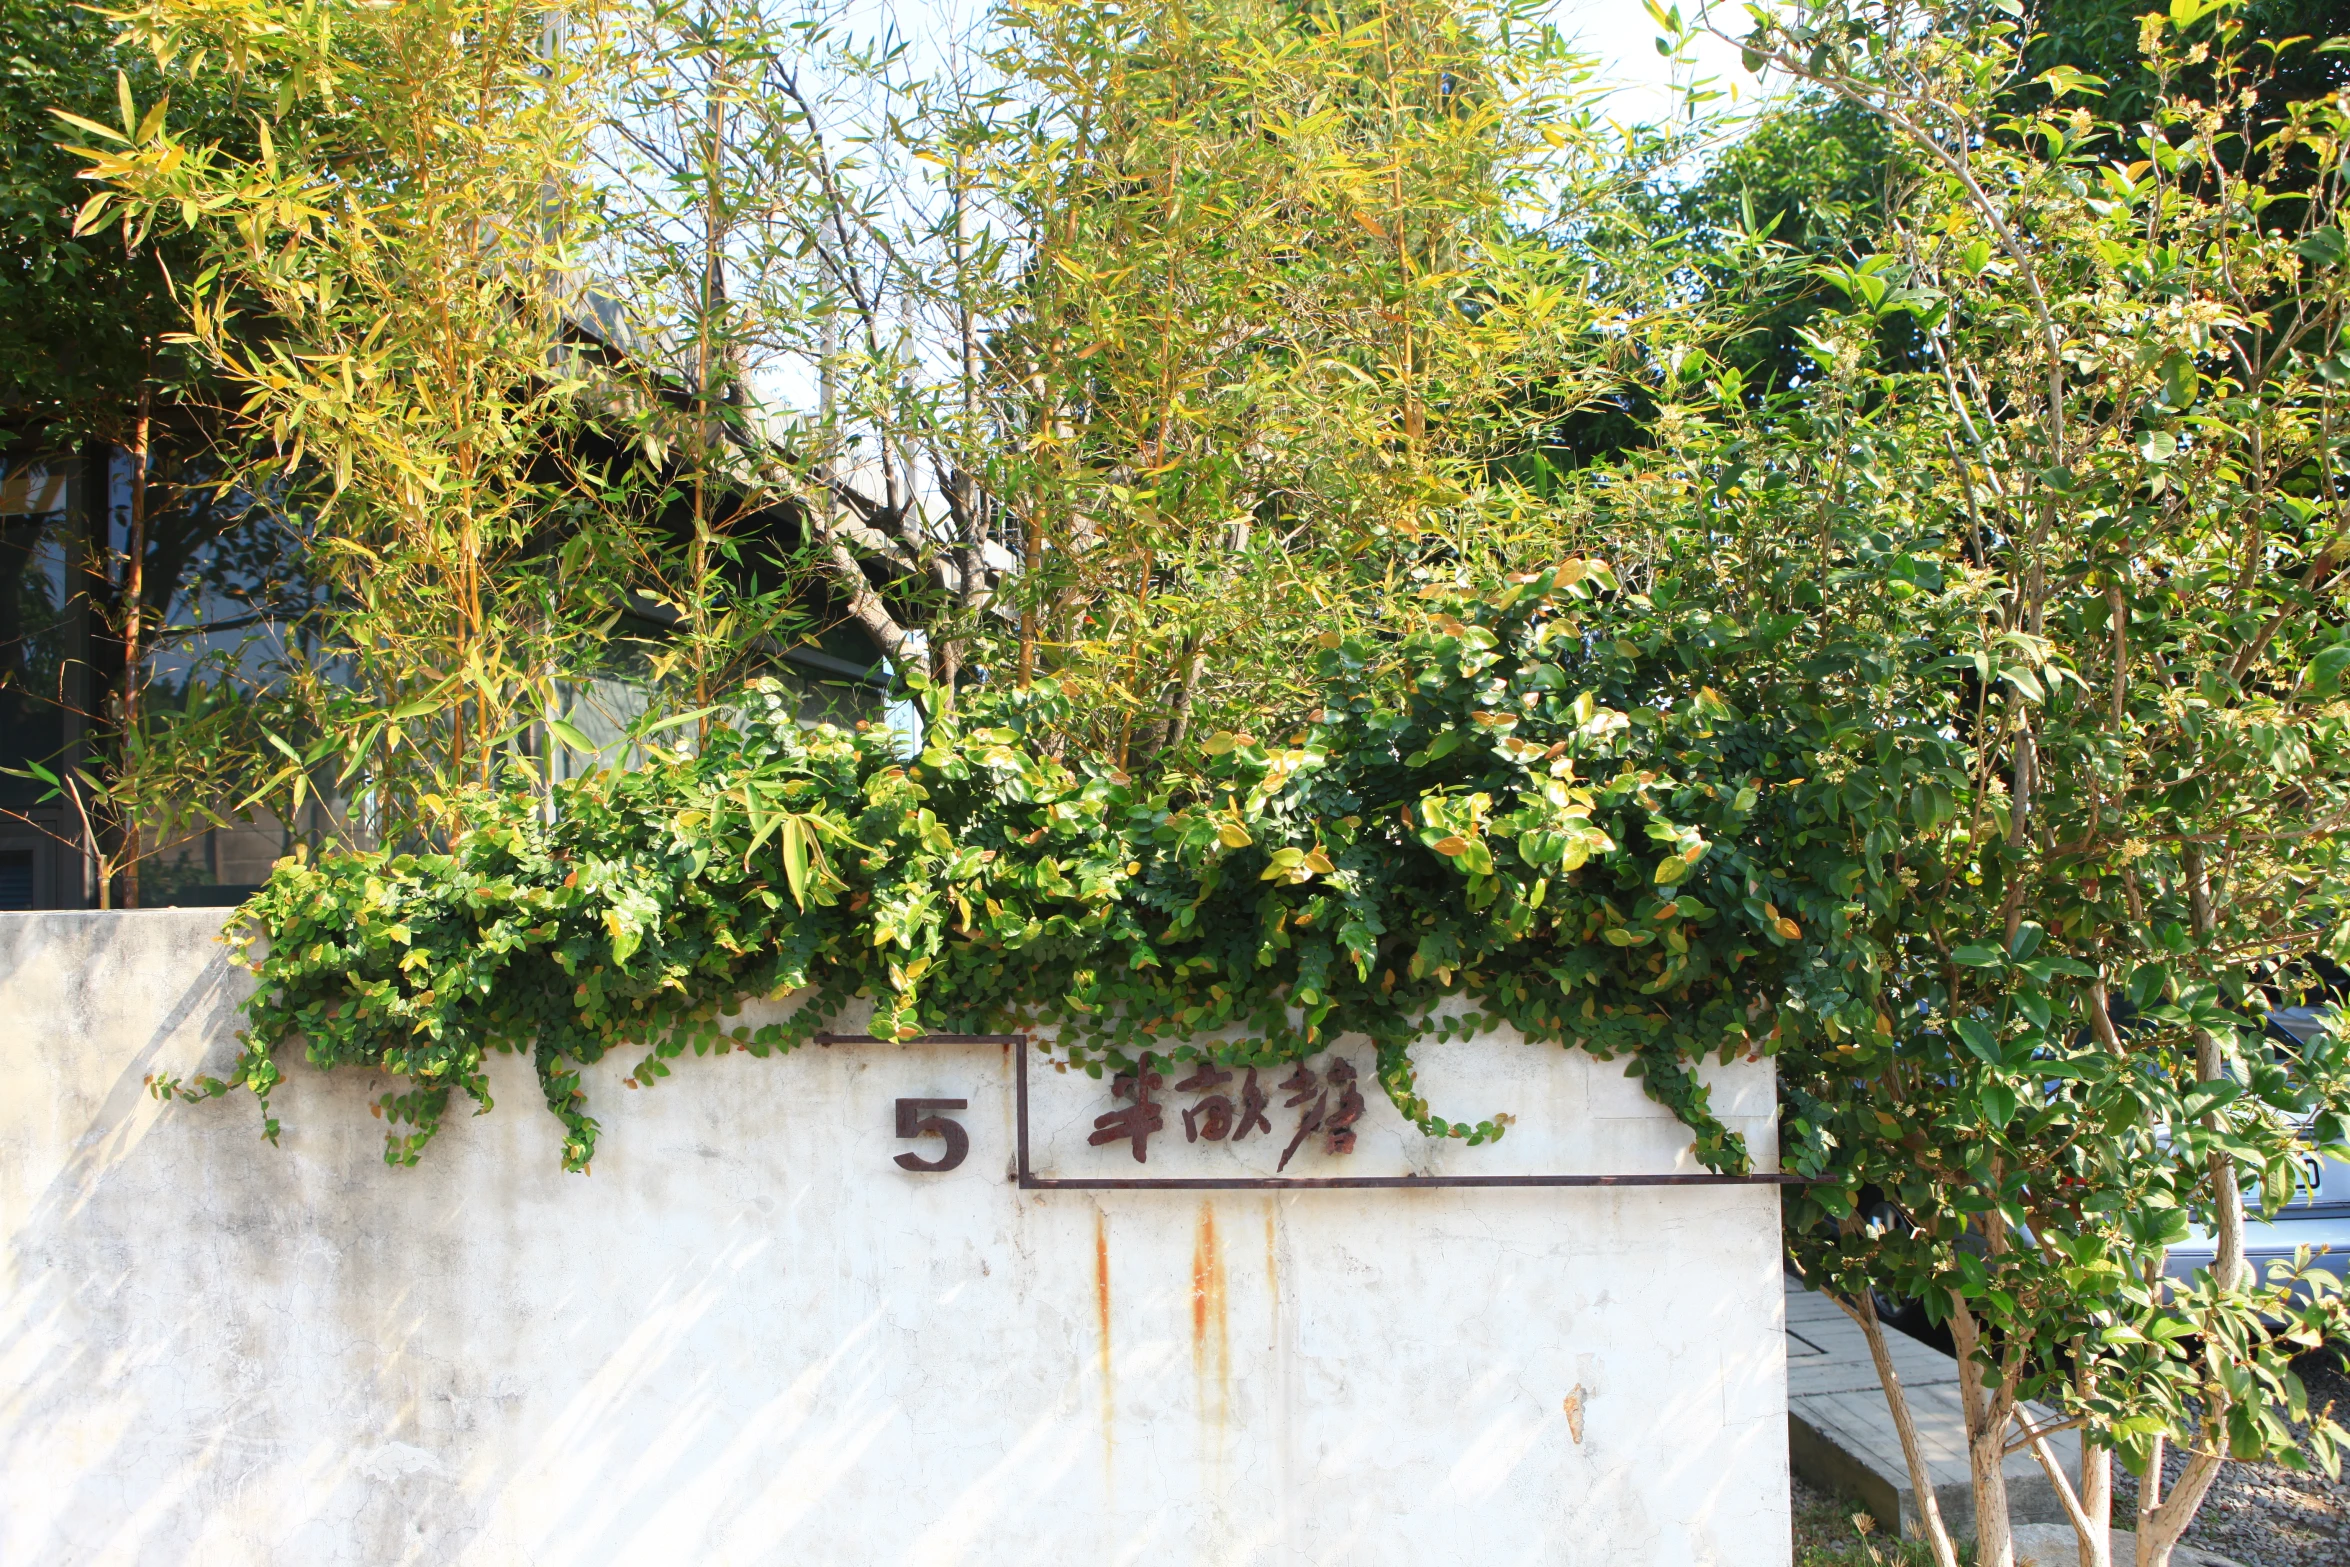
[(226, 592)]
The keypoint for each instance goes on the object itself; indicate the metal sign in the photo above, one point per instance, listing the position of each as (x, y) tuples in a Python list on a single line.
[(1231, 1107)]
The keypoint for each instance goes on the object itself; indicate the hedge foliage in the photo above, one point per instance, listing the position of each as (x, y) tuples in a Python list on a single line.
[(1534, 802)]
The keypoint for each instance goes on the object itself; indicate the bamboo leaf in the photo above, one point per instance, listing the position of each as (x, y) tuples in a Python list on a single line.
[(91, 126)]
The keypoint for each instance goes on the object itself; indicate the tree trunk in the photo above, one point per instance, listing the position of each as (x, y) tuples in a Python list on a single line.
[(865, 606), (1921, 1477), (2159, 1528), (2096, 1503), (1986, 1442), (946, 667), (2227, 1202), (2088, 1507), (2149, 1502), (1029, 561), (134, 604), (2162, 1520), (1179, 721)]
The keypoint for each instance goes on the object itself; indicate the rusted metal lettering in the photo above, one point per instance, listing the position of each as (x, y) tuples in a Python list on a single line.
[(1331, 1103), (1252, 1105), (1209, 1120), (1138, 1121), (1252, 1109), (917, 1118), (1339, 1122), (1302, 1085)]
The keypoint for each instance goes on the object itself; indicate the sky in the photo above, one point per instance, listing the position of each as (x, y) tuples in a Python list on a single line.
[(1618, 32), (1623, 38)]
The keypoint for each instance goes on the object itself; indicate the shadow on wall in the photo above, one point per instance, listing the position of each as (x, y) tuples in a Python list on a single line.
[(220, 1351), (750, 1337)]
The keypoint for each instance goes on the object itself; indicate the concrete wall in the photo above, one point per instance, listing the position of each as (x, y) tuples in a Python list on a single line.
[(749, 1336)]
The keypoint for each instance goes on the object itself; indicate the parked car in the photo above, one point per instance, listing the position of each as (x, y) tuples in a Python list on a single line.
[(2319, 1214), (2318, 1217)]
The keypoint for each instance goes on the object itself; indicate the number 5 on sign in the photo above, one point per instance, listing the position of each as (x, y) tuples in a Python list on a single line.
[(915, 1120)]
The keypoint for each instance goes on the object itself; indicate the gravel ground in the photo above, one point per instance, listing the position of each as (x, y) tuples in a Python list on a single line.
[(2264, 1516), (2256, 1514)]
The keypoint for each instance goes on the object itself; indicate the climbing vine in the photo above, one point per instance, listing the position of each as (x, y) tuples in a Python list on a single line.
[(1532, 800)]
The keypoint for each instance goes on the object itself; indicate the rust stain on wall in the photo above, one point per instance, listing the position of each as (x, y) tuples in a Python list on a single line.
[(1573, 1403), (1272, 1268), (1100, 1305), (1211, 1338), (1205, 1279), (1101, 1298)]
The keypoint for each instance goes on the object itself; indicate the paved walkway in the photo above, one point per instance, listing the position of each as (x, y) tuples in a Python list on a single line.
[(1840, 1434)]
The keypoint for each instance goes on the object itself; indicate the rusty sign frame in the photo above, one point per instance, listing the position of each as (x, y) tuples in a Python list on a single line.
[(1030, 1181)]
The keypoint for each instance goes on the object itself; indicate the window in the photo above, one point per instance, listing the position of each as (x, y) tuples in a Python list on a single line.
[(16, 878)]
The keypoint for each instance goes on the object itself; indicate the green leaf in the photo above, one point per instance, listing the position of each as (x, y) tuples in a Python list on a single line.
[(2180, 380), (93, 212), (2323, 677), (1976, 955), (682, 719), (2206, 1097), (2325, 247), (2063, 79), (794, 842), (571, 736), (92, 126), (1980, 1041)]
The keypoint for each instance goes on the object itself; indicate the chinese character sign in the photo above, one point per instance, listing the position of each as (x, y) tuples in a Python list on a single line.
[(1141, 1117), (1231, 1106)]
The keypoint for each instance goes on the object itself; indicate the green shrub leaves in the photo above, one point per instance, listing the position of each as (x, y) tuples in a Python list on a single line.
[(1503, 807)]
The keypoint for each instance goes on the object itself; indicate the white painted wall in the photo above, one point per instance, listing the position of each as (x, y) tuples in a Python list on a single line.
[(750, 1337)]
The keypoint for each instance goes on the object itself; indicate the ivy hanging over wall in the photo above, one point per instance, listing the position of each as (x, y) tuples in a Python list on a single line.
[(1534, 801)]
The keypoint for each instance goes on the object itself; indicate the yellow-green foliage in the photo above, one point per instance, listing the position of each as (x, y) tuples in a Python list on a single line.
[(1535, 802)]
